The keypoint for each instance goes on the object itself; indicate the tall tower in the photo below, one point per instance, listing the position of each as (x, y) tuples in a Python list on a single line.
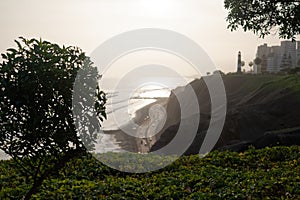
[(239, 63)]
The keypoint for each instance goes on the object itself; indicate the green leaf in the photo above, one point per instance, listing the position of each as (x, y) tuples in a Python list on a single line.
[(19, 45), (12, 50), (4, 56)]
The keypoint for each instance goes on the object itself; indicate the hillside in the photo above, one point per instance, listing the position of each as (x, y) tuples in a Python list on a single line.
[(255, 105)]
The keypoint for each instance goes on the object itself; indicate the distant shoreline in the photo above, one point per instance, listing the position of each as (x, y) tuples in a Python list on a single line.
[(130, 143), (125, 142)]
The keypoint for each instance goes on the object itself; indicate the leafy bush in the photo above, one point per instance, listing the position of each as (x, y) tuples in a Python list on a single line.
[(270, 173), (37, 126)]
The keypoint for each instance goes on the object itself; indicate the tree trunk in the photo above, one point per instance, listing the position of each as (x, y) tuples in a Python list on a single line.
[(61, 163), (33, 188)]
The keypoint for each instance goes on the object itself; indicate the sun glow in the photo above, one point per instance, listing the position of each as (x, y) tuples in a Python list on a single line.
[(158, 8)]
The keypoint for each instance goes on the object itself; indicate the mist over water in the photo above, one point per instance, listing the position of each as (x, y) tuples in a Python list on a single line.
[(139, 98), (125, 107), (124, 103)]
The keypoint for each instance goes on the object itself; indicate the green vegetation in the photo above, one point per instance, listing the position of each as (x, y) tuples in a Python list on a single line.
[(40, 122), (288, 83), (291, 82), (250, 82), (40, 117), (269, 82), (262, 17), (270, 173)]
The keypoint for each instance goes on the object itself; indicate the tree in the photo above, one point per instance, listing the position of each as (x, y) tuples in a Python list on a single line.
[(37, 126), (242, 63), (262, 16), (250, 64), (257, 61), (295, 70)]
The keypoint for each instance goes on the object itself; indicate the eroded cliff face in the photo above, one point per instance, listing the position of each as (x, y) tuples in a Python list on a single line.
[(255, 104)]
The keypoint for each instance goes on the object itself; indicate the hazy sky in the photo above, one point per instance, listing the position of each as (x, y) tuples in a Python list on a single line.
[(88, 23)]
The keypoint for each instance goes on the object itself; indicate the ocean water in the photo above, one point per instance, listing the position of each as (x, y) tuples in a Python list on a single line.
[(123, 104), (125, 110), (126, 98)]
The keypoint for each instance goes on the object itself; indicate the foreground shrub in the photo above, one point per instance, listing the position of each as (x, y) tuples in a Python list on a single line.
[(255, 174)]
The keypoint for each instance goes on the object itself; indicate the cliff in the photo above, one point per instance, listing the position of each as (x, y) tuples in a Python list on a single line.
[(255, 105)]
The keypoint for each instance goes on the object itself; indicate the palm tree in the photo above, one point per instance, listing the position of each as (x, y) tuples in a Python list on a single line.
[(257, 60), (250, 64)]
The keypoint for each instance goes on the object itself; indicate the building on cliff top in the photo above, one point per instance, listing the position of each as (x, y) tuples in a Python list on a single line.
[(275, 59)]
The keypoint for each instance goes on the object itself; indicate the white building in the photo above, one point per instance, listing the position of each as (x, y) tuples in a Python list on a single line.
[(262, 52), (288, 55), (273, 62), (276, 58)]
